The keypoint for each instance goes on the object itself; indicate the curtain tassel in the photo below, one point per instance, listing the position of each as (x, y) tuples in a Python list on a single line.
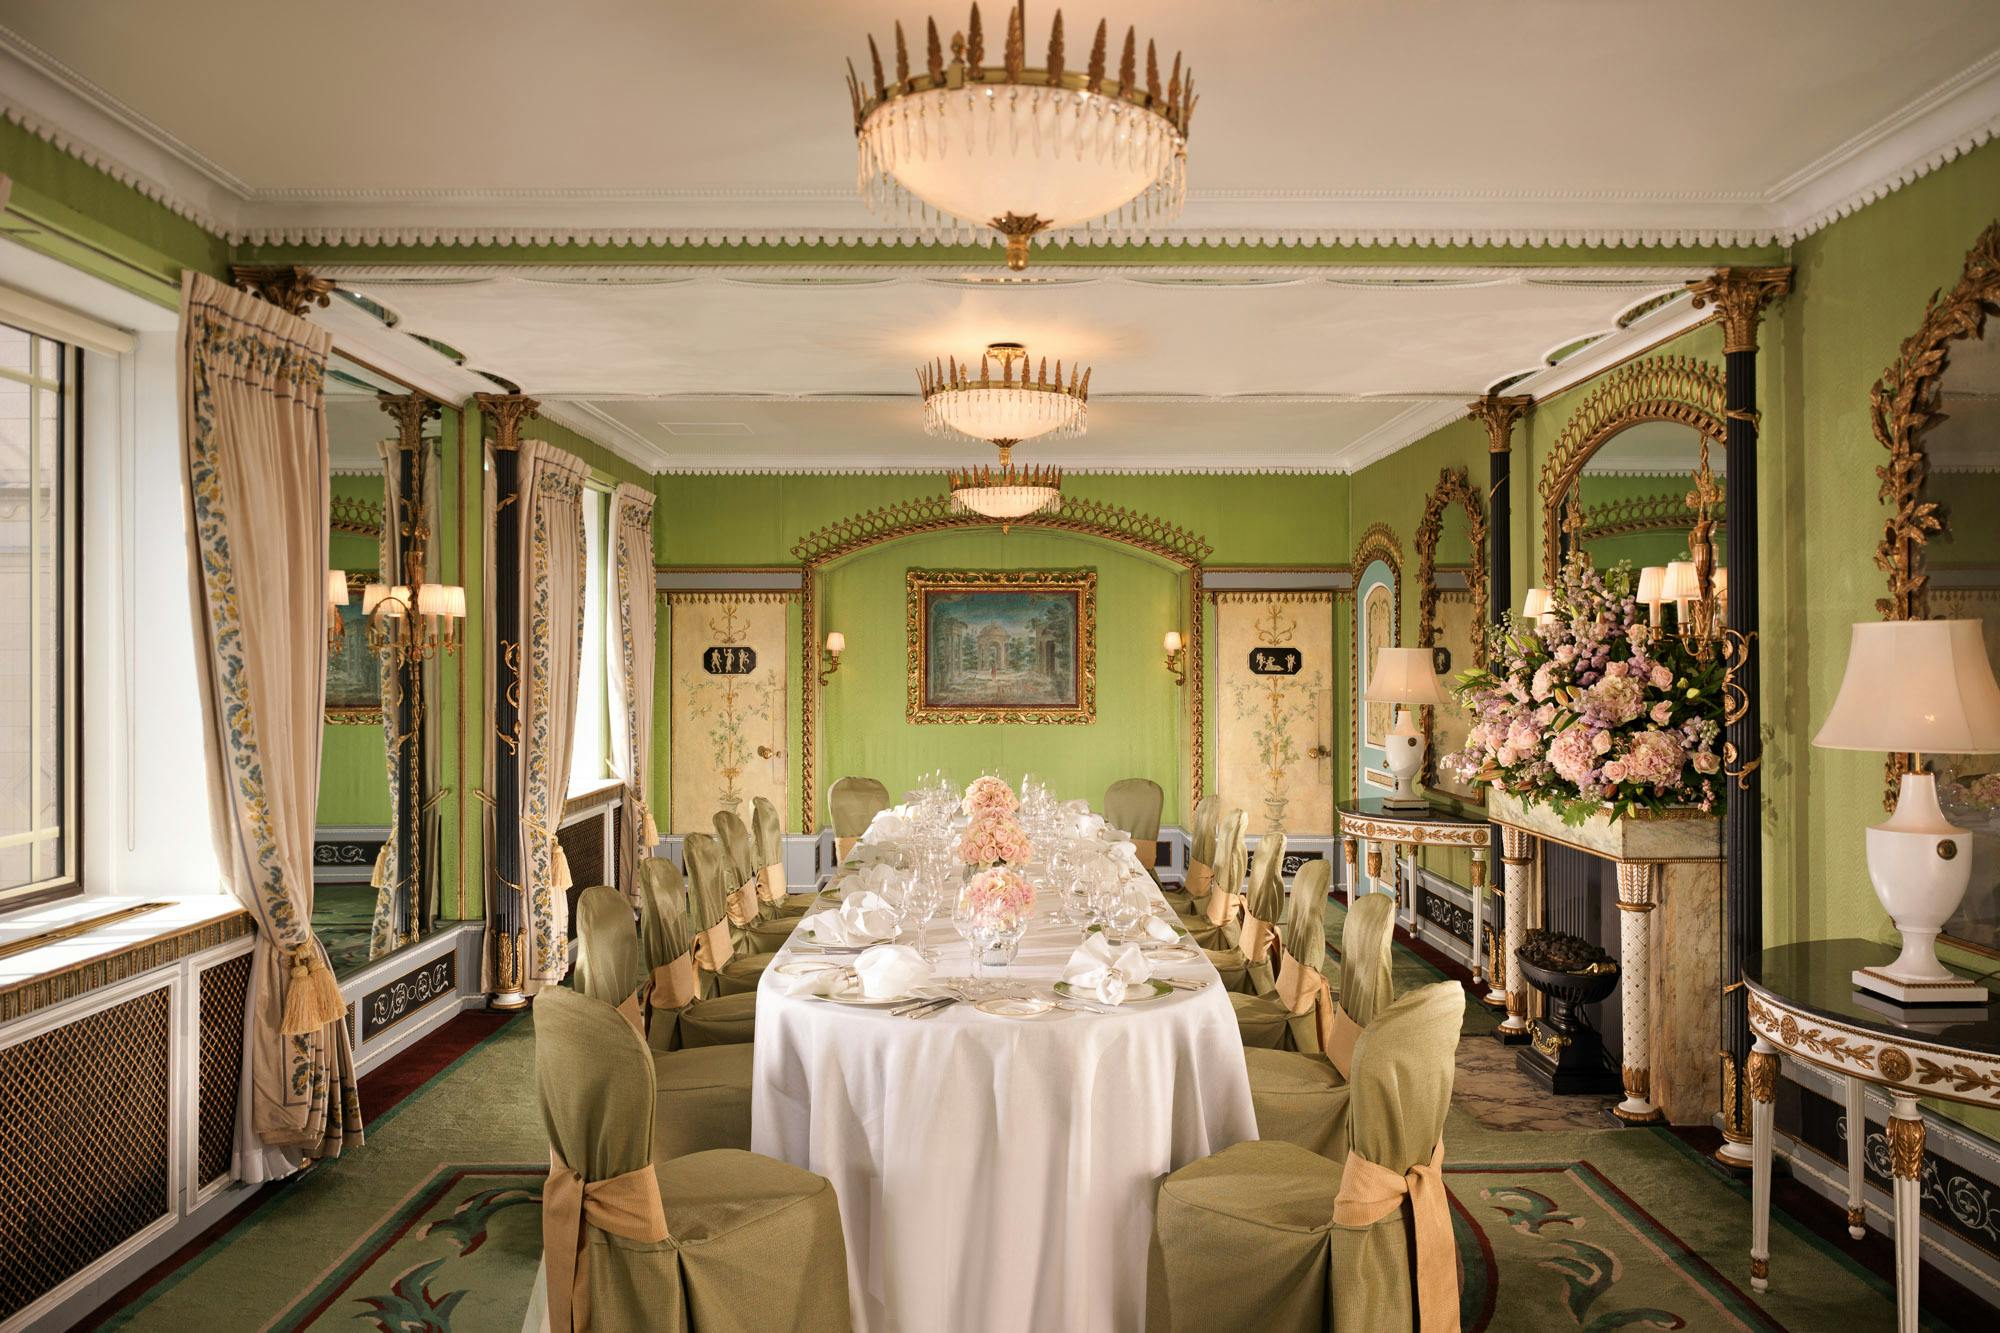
[(381, 871), (649, 830), (312, 1000), (559, 869)]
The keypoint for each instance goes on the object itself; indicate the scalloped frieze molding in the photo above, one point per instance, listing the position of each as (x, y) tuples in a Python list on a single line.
[(56, 103)]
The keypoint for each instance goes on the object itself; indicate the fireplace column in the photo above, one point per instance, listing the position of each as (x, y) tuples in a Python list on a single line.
[(1635, 989), (1517, 857)]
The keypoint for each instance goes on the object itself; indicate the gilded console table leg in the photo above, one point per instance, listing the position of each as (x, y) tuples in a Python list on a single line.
[(1906, 1167), (1517, 856), (1374, 866), (1407, 854), (1760, 1075), (1635, 989), (1350, 851), (1478, 914), (1857, 1142)]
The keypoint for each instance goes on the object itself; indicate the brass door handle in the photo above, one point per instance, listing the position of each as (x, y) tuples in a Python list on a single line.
[(1319, 752)]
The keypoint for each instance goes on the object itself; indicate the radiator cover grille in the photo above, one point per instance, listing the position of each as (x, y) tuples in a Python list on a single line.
[(225, 995)]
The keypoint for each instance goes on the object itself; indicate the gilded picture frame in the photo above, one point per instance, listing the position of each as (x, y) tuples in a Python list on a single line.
[(354, 674), (993, 647)]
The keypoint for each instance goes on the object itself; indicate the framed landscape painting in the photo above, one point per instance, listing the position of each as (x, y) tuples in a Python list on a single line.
[(354, 674), (986, 646)]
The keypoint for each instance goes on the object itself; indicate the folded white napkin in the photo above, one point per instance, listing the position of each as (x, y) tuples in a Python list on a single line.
[(1105, 971), (878, 877), (863, 917), (1157, 929), (891, 825), (1087, 825), (1076, 807), (1126, 857), (888, 971)]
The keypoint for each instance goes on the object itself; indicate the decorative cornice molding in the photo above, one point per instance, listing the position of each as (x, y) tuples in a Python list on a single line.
[(703, 469), (59, 105)]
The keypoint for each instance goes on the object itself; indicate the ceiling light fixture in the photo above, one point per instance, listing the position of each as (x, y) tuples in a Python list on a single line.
[(1022, 150), (1003, 412)]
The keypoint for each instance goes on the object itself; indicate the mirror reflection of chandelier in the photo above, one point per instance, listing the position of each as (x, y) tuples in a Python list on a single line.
[(1003, 411), (1021, 150)]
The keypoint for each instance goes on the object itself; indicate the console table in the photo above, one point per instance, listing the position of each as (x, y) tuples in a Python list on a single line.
[(1374, 822), (1803, 1004)]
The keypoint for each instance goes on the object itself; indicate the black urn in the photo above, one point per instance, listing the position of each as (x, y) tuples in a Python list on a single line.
[(1565, 1053)]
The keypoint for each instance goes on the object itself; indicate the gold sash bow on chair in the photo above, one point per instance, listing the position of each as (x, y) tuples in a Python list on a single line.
[(1223, 904), (1369, 1192), (627, 1205), (712, 949), (771, 882), (1147, 850), (1199, 876), (842, 846), (1301, 988), (1257, 939), (741, 905), (675, 985)]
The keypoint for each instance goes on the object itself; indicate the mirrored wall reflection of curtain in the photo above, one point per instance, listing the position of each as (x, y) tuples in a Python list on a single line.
[(254, 449), (388, 870), (551, 583), (631, 627)]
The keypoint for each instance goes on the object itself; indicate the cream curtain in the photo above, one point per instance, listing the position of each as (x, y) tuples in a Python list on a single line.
[(631, 626), (389, 570), (552, 582), (253, 442)]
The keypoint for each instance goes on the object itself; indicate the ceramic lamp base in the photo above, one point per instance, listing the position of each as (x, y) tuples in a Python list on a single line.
[(1920, 863), (1912, 993), (1404, 750)]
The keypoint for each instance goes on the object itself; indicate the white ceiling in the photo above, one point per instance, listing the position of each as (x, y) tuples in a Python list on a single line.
[(729, 370), (1619, 118)]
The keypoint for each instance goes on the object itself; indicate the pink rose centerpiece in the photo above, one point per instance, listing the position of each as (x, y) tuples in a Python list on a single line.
[(994, 840), (990, 798), (1593, 711), (1001, 896)]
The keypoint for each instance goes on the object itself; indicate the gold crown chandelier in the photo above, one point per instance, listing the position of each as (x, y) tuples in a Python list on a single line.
[(1003, 412), (1021, 150)]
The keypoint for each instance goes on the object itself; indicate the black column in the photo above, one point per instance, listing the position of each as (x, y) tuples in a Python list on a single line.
[(504, 883), (1742, 825), (1499, 535), (409, 707)]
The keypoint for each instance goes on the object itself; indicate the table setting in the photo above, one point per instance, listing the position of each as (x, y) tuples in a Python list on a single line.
[(993, 1037)]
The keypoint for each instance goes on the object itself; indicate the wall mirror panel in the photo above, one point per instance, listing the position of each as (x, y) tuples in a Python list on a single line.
[(1632, 496), (1943, 433), (371, 859), (1451, 617)]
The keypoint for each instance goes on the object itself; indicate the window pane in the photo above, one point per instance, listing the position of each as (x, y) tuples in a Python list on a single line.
[(13, 350), (587, 749)]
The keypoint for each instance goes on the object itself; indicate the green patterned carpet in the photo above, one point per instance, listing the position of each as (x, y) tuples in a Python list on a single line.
[(1564, 1222)]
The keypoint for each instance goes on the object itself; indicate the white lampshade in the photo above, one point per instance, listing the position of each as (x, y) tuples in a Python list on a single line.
[(1536, 604), (431, 600), (1681, 583), (372, 597), (836, 642), (1404, 676), (1719, 581), (454, 601), (336, 587), (397, 603), (1652, 582), (1920, 685), (1173, 641)]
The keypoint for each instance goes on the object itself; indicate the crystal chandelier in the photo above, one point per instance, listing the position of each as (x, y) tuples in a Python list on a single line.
[(1003, 412), (1021, 150)]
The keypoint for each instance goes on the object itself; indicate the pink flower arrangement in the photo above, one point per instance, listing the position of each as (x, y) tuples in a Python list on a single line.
[(993, 839), (1001, 895), (1590, 711), (988, 798)]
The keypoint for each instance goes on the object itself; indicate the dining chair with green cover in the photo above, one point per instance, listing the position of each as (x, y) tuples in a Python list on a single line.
[(1265, 1234), (1302, 1095), (1192, 896), (767, 837), (853, 803), (751, 928), (724, 971), (1134, 804), (678, 1017), (1219, 925), (703, 1095), (1221, 948), (1264, 1018), (722, 1239)]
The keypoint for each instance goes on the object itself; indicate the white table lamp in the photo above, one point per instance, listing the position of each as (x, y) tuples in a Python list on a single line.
[(1927, 687), (1403, 677)]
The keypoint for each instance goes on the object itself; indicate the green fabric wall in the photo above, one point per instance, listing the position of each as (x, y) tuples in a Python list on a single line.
[(1639, 549), (756, 520)]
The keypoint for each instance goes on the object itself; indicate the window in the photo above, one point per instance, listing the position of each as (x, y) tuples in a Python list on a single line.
[(590, 750), (38, 623)]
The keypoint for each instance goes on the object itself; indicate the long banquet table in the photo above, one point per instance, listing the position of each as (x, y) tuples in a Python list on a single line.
[(996, 1173)]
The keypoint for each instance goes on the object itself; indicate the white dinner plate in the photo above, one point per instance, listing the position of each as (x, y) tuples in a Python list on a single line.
[(1173, 953), (1016, 1006), (805, 967), (1134, 994), (848, 991)]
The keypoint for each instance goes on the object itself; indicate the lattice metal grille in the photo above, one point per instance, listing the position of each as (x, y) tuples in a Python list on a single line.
[(84, 1125), (618, 836), (225, 994), (583, 843)]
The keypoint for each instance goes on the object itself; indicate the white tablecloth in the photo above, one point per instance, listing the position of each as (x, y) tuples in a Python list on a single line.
[(998, 1174)]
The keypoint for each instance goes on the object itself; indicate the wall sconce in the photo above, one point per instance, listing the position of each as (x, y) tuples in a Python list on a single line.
[(336, 597), (1538, 605), (829, 657), (414, 626), (1176, 656)]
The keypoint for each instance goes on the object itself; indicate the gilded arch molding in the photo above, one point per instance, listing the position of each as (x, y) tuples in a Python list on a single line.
[(933, 514), (1378, 542), (1454, 487), (1681, 389)]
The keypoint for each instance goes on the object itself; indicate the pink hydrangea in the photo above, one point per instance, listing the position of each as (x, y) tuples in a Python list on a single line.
[(1616, 699), (1572, 754), (1655, 759)]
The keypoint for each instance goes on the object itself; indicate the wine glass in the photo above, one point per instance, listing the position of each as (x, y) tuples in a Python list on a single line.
[(1124, 909)]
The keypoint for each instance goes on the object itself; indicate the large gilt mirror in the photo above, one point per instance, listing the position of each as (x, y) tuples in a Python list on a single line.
[(370, 853), (1618, 480), (1937, 412), (1451, 616)]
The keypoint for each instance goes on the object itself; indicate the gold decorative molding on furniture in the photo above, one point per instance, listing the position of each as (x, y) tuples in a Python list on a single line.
[(1680, 389)]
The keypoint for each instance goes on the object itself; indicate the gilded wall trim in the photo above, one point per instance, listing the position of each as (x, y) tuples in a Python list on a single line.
[(108, 969), (1378, 542)]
